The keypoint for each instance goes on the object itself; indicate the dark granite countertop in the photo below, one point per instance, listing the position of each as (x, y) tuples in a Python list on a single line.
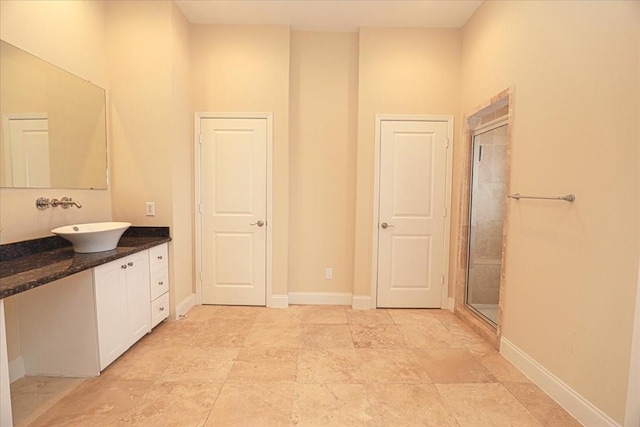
[(27, 265)]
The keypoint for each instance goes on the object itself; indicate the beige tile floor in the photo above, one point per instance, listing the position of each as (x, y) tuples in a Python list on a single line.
[(305, 365)]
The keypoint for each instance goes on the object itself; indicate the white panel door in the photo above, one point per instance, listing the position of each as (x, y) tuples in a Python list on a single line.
[(411, 213), (233, 178), (30, 153)]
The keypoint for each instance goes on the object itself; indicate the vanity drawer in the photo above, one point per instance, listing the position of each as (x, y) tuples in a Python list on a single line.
[(158, 258), (159, 283), (159, 310)]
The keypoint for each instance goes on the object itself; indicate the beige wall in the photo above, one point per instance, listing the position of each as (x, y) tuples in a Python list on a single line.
[(140, 77), (571, 269), (246, 69), (401, 71), (323, 90), (633, 393), (42, 29), (148, 56), (182, 226)]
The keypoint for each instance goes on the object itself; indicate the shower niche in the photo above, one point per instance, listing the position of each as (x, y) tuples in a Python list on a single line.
[(481, 242)]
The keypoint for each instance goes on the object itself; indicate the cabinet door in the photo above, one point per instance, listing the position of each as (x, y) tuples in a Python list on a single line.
[(138, 311), (111, 290)]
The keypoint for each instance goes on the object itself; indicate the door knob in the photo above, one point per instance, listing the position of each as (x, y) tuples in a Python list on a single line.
[(259, 223), (385, 225)]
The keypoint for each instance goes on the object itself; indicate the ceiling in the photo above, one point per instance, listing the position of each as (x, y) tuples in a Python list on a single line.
[(336, 15)]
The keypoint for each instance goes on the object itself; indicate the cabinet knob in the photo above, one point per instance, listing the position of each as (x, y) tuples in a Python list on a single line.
[(123, 266), (159, 256), (160, 283), (161, 308), (130, 264)]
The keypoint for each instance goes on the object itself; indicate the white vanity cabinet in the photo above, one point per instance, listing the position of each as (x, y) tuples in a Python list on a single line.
[(122, 296), (75, 316), (78, 325), (159, 271)]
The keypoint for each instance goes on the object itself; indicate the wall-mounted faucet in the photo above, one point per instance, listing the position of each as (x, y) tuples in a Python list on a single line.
[(43, 203)]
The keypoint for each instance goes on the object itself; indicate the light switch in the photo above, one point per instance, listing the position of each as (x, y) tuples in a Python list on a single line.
[(151, 209)]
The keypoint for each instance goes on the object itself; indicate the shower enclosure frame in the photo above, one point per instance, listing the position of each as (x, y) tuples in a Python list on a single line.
[(498, 107), (476, 181)]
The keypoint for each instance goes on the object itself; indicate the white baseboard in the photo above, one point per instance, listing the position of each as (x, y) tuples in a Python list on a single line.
[(16, 369), (320, 298), (449, 304), (279, 301), (583, 410), (185, 305), (362, 303)]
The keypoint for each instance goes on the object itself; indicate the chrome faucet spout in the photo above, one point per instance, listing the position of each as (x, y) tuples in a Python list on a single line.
[(65, 202)]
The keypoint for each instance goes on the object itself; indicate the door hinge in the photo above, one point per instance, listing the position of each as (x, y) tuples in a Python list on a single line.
[(200, 139), (201, 275), (442, 280), (447, 144), (445, 211), (200, 207)]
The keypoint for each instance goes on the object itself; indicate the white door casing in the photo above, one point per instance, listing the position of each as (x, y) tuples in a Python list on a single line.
[(233, 182), (411, 221)]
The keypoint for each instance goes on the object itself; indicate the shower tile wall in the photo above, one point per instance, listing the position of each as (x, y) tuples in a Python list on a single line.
[(487, 216)]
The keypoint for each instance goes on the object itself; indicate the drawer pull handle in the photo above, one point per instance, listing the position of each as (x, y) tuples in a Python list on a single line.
[(161, 308), (130, 264), (159, 256)]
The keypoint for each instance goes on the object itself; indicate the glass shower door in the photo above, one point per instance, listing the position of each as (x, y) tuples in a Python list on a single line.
[(486, 219)]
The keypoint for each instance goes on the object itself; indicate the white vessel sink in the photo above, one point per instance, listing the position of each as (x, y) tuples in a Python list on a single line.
[(95, 237)]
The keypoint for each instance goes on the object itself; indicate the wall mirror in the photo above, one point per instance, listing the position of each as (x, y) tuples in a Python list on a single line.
[(53, 123)]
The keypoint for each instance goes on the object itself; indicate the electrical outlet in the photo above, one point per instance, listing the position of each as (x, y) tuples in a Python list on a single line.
[(151, 209), (328, 273)]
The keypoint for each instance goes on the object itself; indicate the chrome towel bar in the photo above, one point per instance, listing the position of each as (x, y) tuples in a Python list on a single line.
[(566, 198)]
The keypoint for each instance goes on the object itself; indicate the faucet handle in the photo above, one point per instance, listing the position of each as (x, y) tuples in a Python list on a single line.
[(65, 202), (43, 203)]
